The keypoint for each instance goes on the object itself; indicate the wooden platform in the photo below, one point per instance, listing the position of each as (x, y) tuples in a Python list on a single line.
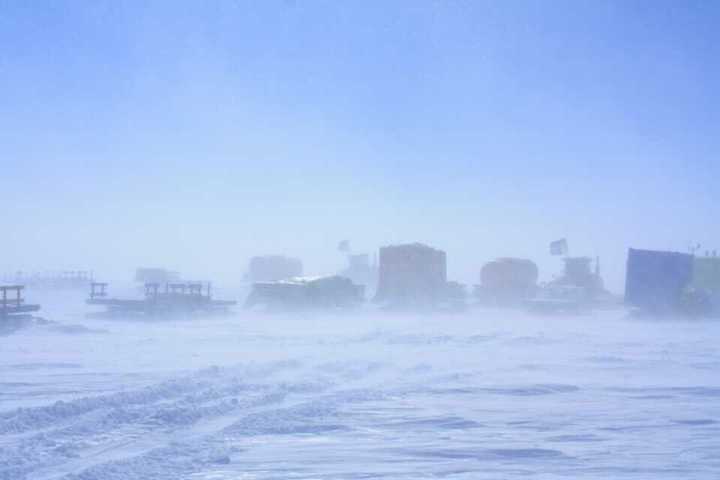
[(176, 298)]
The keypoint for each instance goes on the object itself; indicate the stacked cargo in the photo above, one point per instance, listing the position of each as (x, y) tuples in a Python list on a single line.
[(302, 293), (271, 268), (507, 281), (411, 275)]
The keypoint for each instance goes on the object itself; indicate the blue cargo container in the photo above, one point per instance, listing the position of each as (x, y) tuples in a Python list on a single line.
[(655, 280)]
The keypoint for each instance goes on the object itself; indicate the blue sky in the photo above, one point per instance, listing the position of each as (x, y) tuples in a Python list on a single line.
[(197, 134)]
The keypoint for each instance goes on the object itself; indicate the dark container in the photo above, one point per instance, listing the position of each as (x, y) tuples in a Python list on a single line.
[(655, 280)]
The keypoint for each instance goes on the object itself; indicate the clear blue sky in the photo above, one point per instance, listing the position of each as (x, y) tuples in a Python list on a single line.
[(196, 134)]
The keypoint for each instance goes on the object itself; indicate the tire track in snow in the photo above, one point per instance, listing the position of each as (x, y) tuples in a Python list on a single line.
[(176, 426), (64, 431)]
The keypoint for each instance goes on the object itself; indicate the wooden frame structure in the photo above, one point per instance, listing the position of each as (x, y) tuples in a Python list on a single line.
[(174, 299), (10, 306)]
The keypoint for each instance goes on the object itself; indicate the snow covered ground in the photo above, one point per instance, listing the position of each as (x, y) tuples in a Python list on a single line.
[(486, 394)]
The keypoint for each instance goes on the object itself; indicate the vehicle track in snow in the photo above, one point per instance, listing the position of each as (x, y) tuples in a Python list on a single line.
[(178, 423), (424, 401)]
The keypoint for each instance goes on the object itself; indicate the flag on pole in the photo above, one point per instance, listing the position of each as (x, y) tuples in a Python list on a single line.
[(559, 247)]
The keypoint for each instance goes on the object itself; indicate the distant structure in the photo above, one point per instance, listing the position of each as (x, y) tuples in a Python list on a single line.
[(579, 289), (559, 247), (656, 281), (411, 275), (331, 292), (361, 271), (167, 300), (706, 274), (706, 280), (271, 268), (52, 280), (507, 281), (12, 303), (660, 282), (156, 275), (578, 273), (455, 296)]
